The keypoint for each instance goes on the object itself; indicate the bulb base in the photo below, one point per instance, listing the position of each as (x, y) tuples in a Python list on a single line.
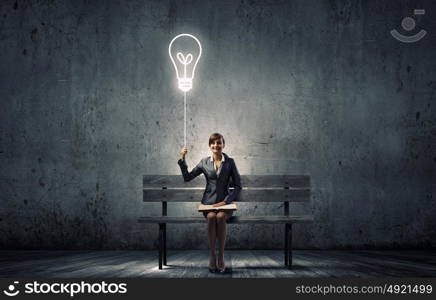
[(185, 84)]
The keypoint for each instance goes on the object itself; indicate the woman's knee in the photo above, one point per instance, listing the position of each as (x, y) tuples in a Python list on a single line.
[(221, 217), (211, 216)]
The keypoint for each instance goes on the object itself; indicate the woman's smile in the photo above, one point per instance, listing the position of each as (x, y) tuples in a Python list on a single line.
[(217, 146)]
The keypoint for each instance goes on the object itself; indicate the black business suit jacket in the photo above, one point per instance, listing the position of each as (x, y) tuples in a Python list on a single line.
[(217, 187)]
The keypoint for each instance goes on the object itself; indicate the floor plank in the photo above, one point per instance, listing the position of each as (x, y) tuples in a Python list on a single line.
[(239, 263)]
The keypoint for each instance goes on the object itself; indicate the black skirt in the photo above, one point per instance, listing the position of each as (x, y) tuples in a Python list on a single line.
[(229, 213)]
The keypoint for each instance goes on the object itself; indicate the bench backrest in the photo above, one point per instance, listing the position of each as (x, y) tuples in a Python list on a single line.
[(255, 188)]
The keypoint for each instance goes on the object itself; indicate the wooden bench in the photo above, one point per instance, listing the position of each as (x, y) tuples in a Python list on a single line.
[(267, 188)]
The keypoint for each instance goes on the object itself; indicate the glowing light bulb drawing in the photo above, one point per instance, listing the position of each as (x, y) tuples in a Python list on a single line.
[(186, 48)]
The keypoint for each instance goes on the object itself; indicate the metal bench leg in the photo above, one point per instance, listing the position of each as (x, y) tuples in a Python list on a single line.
[(165, 245), (161, 231), (289, 226), (286, 244)]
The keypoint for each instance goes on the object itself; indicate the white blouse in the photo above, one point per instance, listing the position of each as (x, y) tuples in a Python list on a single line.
[(218, 170)]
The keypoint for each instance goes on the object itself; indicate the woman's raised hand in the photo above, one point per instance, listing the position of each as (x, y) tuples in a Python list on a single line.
[(183, 153)]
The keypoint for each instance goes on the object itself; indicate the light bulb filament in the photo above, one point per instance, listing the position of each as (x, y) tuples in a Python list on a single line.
[(184, 61)]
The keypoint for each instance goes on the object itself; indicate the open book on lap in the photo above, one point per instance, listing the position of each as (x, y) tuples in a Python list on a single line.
[(203, 207)]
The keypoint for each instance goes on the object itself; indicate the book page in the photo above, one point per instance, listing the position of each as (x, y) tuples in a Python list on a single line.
[(203, 207)]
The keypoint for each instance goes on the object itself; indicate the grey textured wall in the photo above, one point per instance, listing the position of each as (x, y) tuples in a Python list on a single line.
[(89, 104)]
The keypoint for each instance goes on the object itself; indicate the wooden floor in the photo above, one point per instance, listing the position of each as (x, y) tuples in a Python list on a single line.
[(193, 263)]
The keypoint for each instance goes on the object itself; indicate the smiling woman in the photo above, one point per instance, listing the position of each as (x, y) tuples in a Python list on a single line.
[(218, 169)]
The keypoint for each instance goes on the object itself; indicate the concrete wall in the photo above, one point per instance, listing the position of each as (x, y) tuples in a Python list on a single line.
[(89, 104)]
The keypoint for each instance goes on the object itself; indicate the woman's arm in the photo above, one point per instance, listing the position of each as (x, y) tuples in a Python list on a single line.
[(188, 176), (236, 179)]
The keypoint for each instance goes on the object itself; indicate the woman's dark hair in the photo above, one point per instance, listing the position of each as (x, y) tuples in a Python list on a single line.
[(215, 136)]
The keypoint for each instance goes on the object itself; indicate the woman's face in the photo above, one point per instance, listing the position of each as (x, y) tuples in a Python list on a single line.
[(217, 146)]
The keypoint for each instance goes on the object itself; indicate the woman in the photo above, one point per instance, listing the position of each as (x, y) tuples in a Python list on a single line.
[(218, 170)]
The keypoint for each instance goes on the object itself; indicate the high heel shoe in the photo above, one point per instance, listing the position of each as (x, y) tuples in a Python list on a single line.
[(221, 270), (212, 270)]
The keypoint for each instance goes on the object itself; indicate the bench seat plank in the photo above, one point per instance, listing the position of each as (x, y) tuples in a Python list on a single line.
[(246, 195), (295, 181), (234, 219)]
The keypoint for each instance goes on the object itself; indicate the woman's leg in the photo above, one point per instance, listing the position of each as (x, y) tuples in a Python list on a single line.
[(211, 232), (221, 233)]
